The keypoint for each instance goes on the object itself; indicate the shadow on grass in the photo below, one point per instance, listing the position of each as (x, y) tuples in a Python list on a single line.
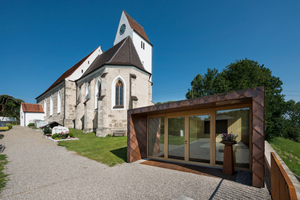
[(121, 153)]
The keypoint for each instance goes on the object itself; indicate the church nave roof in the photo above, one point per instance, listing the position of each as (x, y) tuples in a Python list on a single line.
[(123, 53)]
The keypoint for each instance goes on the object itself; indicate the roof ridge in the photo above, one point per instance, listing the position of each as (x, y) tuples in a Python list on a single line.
[(118, 49), (136, 26), (65, 75)]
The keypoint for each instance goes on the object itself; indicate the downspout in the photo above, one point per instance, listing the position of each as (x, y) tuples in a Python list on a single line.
[(64, 105)]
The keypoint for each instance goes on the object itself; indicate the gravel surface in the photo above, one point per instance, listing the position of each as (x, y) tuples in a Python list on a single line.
[(39, 169)]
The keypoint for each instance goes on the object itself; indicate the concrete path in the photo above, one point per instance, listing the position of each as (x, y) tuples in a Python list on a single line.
[(39, 169)]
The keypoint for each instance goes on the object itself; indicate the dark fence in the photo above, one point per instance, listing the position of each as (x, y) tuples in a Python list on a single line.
[(281, 185)]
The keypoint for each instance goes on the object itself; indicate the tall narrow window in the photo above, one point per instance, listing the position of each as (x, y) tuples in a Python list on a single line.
[(79, 95), (119, 94), (87, 91), (45, 107), (51, 105), (58, 102), (97, 93)]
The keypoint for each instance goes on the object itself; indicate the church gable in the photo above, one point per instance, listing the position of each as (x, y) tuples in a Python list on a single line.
[(127, 26), (123, 53), (77, 70)]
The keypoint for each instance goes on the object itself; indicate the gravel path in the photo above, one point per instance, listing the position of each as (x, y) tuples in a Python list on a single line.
[(39, 169)]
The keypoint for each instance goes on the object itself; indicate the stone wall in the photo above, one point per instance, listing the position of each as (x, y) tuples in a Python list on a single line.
[(67, 112), (58, 117), (106, 119)]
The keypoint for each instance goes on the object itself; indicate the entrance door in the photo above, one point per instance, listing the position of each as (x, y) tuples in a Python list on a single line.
[(176, 138), (189, 138), (199, 138)]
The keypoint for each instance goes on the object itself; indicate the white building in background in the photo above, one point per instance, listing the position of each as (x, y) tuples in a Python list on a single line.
[(30, 112)]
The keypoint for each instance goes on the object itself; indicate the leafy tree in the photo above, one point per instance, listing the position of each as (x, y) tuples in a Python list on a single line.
[(292, 121), (245, 74), (10, 107)]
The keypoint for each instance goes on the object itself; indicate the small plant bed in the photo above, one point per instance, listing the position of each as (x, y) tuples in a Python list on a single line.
[(6, 127), (63, 136), (3, 176), (109, 150), (289, 152)]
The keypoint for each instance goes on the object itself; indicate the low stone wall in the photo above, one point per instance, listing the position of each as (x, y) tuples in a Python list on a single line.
[(268, 150)]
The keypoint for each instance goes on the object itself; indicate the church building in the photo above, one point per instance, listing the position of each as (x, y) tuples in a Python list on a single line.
[(95, 94)]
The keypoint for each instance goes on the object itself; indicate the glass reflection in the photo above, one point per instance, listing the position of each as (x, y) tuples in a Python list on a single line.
[(176, 138), (199, 150), (234, 121)]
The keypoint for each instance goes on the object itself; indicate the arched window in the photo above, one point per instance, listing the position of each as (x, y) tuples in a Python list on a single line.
[(119, 94), (51, 105), (97, 93), (58, 102), (45, 107), (87, 91)]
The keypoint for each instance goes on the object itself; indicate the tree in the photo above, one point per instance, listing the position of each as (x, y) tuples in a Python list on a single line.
[(10, 107), (292, 121), (245, 74)]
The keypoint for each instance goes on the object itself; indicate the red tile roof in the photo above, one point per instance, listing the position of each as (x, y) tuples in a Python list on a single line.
[(135, 26), (68, 73), (30, 107)]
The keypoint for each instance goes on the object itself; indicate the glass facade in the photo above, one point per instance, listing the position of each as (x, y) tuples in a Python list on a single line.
[(190, 138), (176, 138), (199, 146), (237, 122)]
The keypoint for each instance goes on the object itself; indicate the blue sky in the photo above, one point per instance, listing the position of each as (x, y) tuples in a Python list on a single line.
[(40, 40)]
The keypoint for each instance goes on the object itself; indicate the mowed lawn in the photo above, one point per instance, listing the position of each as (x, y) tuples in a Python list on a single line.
[(109, 150), (289, 152)]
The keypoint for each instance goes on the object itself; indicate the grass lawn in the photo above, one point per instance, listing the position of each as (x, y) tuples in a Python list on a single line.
[(289, 152), (3, 176), (108, 150)]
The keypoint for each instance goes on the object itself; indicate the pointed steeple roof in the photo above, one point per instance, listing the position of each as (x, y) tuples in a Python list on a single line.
[(123, 53), (136, 26)]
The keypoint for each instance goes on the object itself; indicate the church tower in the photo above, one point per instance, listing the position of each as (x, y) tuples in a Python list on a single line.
[(129, 27)]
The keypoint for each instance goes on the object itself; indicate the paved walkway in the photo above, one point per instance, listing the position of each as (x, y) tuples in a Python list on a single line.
[(39, 169)]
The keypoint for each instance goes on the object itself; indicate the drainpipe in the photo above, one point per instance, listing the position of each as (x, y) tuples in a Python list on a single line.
[(64, 105)]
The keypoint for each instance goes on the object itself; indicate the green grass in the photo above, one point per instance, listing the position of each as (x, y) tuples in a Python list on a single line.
[(108, 150), (3, 177), (289, 152)]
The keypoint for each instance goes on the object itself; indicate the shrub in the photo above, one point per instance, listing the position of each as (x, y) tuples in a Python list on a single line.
[(30, 124), (9, 125), (4, 128), (54, 135), (47, 129), (71, 134)]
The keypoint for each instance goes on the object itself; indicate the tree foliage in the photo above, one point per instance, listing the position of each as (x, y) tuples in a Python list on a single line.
[(245, 74), (10, 107), (292, 121)]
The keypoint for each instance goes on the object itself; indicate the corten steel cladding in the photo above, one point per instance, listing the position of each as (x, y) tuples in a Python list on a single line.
[(281, 185), (137, 125)]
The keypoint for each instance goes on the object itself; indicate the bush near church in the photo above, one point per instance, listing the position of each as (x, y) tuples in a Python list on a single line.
[(30, 125), (4, 128)]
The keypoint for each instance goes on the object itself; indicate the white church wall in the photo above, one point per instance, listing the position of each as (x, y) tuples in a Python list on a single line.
[(144, 52), (85, 65), (128, 30)]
